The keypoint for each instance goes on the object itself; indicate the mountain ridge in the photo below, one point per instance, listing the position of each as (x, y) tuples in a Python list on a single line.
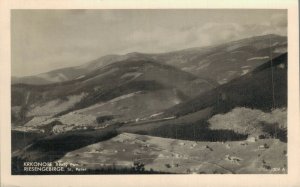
[(70, 73)]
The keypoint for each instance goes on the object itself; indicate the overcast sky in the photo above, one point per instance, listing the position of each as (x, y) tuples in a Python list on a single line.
[(43, 40)]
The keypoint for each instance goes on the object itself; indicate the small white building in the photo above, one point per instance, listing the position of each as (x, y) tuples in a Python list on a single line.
[(251, 139)]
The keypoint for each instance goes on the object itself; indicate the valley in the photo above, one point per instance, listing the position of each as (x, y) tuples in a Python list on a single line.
[(211, 110)]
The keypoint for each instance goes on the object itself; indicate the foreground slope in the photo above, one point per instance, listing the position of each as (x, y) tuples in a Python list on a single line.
[(179, 156)]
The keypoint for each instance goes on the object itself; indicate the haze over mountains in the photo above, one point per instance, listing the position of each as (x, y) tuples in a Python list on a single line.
[(251, 52), (183, 94)]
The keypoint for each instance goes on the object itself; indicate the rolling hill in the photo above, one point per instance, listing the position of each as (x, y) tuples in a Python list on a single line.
[(137, 87)]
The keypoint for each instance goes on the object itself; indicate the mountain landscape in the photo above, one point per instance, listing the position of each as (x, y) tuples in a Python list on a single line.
[(215, 109)]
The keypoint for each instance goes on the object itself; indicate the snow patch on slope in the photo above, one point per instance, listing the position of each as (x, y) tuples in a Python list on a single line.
[(258, 58), (245, 71)]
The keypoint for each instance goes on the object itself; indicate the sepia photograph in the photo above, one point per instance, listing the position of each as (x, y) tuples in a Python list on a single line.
[(149, 91)]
